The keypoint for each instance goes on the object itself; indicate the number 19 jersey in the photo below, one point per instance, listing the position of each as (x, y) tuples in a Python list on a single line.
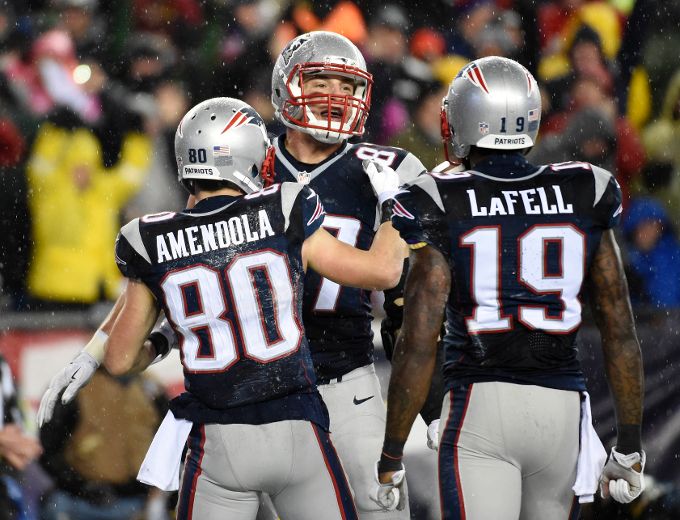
[(229, 276), (519, 239)]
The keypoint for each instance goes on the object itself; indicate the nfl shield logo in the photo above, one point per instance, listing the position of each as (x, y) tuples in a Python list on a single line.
[(303, 177), (483, 128)]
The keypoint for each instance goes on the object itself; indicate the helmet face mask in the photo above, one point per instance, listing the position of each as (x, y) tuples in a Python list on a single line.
[(222, 139), (329, 117), (492, 103)]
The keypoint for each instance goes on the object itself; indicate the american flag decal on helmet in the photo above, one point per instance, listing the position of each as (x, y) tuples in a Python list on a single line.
[(401, 211), (474, 75), (244, 116)]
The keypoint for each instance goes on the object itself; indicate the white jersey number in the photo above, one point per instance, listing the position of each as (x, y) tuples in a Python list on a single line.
[(249, 301), (485, 244), (346, 229)]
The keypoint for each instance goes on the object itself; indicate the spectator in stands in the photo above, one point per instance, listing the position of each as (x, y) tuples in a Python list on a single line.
[(95, 445), (472, 16), (75, 204), (653, 254), (340, 16), (587, 94), (79, 18), (243, 59), (586, 60), (590, 136), (662, 143), (422, 137), (14, 224), (17, 449), (160, 190), (386, 51), (559, 21)]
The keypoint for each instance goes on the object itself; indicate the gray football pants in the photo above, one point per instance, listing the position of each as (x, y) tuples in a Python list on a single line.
[(508, 452), (357, 414), (292, 461)]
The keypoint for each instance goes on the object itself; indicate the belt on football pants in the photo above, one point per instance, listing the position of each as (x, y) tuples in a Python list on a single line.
[(352, 374)]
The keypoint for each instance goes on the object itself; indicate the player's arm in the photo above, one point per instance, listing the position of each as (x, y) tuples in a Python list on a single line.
[(389, 330), (427, 289), (378, 268), (127, 350), (622, 356), (74, 376)]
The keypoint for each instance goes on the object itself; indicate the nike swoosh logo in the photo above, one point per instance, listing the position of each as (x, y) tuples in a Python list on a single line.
[(359, 401)]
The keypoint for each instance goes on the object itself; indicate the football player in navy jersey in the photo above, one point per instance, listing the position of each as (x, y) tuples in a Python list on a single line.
[(321, 91), (229, 274), (506, 250)]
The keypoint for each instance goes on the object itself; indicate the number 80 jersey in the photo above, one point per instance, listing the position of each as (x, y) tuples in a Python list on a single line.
[(519, 239), (229, 276)]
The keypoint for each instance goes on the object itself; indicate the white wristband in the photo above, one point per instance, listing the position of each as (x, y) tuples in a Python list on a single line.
[(96, 346)]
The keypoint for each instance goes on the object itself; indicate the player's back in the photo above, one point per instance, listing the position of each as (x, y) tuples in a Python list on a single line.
[(519, 239), (229, 276), (338, 319)]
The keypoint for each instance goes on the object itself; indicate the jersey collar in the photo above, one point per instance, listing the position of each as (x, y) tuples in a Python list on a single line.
[(211, 205), (506, 167), (303, 172)]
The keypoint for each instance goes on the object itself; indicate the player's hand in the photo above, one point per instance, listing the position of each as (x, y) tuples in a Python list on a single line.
[(388, 492), (69, 380), (623, 476), (433, 435), (384, 180)]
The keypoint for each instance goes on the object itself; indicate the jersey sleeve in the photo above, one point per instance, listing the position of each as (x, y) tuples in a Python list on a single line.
[(302, 209), (409, 168), (419, 217), (312, 211), (129, 259), (407, 165), (607, 204)]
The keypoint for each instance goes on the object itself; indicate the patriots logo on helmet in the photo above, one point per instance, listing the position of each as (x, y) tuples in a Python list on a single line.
[(292, 47), (474, 75), (245, 116)]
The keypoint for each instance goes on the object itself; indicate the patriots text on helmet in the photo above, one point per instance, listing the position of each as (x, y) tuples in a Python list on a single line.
[(533, 201), (510, 140), (199, 170), (195, 240)]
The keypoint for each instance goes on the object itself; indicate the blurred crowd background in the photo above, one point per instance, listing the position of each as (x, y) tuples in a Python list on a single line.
[(91, 93)]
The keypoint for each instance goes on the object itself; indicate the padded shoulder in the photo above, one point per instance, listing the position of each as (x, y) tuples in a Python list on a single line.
[(289, 192), (133, 235)]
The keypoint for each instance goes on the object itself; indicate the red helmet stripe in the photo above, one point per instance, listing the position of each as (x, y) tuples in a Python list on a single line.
[(480, 78), (235, 121)]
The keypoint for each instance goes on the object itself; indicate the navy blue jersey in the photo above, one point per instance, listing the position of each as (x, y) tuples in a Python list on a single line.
[(519, 239), (337, 319), (229, 276)]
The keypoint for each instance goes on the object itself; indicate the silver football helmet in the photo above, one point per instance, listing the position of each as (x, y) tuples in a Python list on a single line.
[(494, 103), (223, 139), (341, 115)]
